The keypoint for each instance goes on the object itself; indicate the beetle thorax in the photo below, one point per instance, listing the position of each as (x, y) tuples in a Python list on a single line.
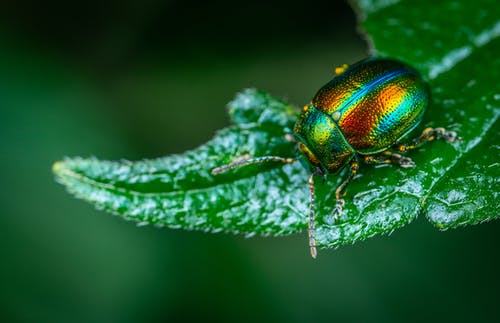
[(321, 145)]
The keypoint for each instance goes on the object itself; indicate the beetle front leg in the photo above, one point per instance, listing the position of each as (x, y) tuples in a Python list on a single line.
[(429, 134), (311, 227), (340, 191), (250, 161)]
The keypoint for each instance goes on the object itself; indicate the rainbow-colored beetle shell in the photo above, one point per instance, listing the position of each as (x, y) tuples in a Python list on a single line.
[(364, 110)]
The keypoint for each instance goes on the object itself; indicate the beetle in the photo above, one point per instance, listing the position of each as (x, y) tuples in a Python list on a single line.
[(361, 115)]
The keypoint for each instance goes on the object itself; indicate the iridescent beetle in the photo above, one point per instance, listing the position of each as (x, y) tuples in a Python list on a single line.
[(361, 115)]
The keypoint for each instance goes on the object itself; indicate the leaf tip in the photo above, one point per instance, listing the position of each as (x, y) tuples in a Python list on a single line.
[(61, 169), (58, 167)]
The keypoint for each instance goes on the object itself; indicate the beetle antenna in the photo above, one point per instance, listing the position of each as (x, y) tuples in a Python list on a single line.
[(250, 161), (311, 229)]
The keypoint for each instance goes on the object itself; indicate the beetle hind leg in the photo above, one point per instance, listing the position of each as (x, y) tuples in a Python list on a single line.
[(429, 134), (388, 157)]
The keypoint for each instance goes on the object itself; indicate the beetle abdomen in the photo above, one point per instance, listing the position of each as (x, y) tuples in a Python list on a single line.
[(375, 102)]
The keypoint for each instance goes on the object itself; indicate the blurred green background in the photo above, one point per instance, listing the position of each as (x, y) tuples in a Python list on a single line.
[(142, 79)]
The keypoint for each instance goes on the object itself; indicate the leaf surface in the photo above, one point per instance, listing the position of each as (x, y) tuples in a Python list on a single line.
[(452, 185)]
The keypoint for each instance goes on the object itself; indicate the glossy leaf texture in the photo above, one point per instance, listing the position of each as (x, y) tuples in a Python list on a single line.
[(454, 44)]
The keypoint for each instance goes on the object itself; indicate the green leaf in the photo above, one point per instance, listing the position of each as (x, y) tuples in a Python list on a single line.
[(452, 185), (180, 192)]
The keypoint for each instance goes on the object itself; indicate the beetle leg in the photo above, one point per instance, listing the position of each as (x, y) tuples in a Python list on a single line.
[(340, 191), (429, 134), (250, 161), (341, 69), (388, 157), (311, 227)]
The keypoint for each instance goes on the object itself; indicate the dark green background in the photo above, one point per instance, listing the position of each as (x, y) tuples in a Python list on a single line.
[(147, 78)]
